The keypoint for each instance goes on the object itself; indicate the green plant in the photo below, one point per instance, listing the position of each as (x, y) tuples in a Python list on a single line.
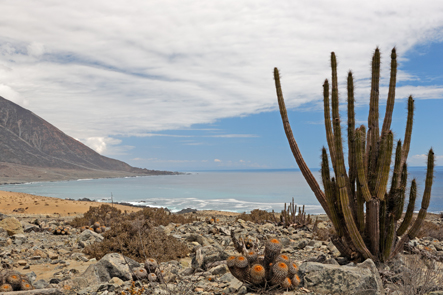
[(374, 234)]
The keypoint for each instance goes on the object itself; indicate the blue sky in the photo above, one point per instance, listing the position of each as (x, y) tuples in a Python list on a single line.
[(188, 85)]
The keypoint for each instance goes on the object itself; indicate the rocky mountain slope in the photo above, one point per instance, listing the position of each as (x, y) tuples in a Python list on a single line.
[(32, 147)]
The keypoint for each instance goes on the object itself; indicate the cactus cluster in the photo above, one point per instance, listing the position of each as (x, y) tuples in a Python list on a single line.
[(150, 271), (60, 230), (366, 214), (14, 281), (289, 216), (270, 269), (212, 220), (96, 227)]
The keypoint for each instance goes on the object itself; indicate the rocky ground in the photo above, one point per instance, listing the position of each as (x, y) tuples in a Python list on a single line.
[(57, 262)]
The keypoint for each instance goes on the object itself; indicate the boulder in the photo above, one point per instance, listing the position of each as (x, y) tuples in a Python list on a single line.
[(110, 266), (89, 237), (28, 227), (12, 226), (19, 239), (362, 279)]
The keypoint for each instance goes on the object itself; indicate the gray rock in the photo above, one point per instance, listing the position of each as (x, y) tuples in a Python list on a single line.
[(302, 244), (88, 237), (19, 239), (3, 233), (111, 265), (3, 241), (197, 261), (331, 261), (41, 284), (27, 227), (219, 269), (361, 279)]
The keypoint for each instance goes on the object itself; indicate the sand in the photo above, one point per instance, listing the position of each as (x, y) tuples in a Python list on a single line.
[(22, 204), (26, 204)]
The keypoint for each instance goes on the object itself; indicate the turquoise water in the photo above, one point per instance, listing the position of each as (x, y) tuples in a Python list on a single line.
[(237, 191)]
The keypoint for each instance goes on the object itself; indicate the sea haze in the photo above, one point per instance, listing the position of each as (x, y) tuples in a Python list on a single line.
[(236, 191)]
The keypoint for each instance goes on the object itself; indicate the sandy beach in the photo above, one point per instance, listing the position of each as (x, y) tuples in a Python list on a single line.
[(12, 203), (21, 203)]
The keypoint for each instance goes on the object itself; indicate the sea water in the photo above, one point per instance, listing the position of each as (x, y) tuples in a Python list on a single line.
[(237, 191)]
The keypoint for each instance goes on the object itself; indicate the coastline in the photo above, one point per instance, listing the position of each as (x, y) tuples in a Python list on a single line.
[(22, 204), (20, 174)]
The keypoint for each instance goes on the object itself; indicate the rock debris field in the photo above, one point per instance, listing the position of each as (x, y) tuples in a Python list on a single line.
[(56, 264)]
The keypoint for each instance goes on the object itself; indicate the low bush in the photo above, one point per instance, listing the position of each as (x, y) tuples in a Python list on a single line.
[(430, 229), (257, 216), (104, 214), (135, 235), (138, 239), (108, 215)]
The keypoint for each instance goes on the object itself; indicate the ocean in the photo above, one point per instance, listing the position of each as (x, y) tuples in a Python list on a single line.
[(236, 191)]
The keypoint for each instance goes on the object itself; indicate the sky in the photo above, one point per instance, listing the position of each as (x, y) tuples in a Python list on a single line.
[(188, 85)]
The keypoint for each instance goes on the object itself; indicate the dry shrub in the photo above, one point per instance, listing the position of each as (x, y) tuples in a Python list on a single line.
[(160, 216), (105, 214), (324, 234), (257, 216), (421, 276), (430, 229), (138, 239)]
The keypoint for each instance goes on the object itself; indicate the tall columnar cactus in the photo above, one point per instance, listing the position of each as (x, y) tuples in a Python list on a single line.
[(374, 232)]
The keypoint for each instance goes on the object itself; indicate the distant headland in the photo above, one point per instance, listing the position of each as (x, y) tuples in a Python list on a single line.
[(31, 150)]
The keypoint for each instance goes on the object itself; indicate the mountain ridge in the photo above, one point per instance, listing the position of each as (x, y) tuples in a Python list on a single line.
[(27, 140)]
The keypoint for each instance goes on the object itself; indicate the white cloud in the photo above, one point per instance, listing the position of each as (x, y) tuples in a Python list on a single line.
[(118, 69), (36, 49), (234, 135), (217, 160), (421, 160), (107, 146)]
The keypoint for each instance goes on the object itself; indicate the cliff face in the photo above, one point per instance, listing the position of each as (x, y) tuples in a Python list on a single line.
[(28, 140)]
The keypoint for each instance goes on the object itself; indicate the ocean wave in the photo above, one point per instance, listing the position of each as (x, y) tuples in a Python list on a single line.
[(230, 205)]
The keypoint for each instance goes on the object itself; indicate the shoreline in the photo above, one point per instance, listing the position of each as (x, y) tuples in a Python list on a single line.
[(27, 205)]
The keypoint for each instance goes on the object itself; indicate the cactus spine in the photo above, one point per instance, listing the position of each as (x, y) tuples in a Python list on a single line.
[(375, 234)]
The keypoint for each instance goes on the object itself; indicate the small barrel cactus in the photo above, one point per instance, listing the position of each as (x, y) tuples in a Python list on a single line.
[(13, 279), (25, 286), (152, 277), (241, 268), (151, 265), (279, 272), (272, 249), (257, 274), (6, 288), (286, 283), (252, 257), (295, 280), (139, 273)]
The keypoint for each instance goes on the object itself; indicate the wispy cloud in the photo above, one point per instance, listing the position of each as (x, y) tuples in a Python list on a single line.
[(234, 135), (421, 160), (115, 69)]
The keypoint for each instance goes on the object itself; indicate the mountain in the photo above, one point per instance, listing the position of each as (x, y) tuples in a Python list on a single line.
[(32, 149)]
